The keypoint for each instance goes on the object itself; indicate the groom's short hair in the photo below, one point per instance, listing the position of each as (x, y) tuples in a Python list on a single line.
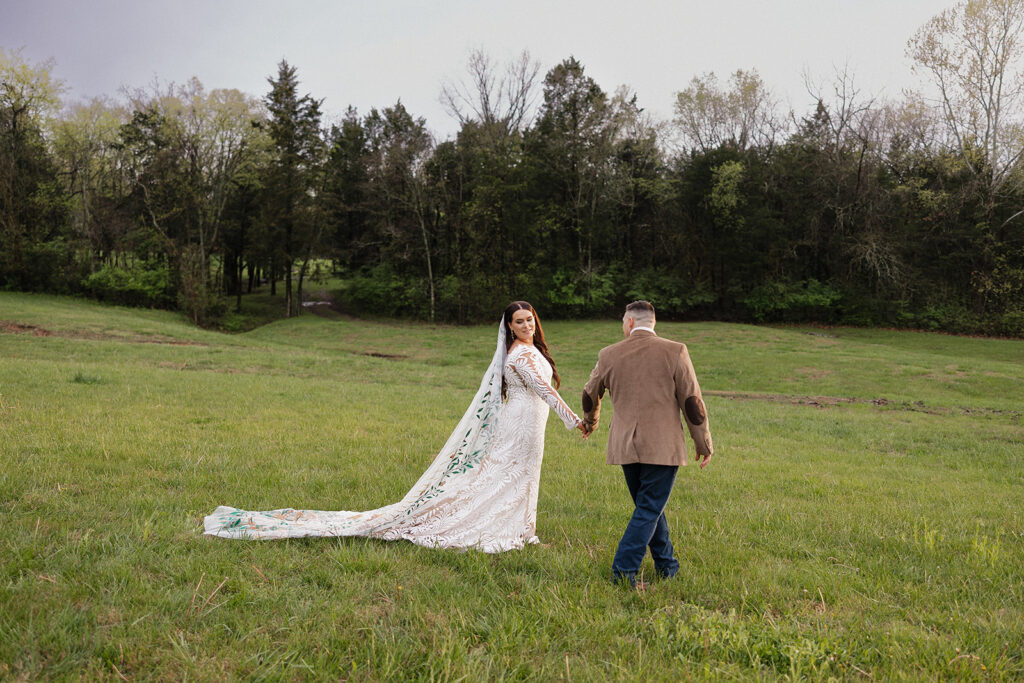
[(642, 312)]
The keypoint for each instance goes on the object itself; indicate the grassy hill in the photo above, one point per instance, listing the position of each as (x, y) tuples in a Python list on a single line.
[(861, 517)]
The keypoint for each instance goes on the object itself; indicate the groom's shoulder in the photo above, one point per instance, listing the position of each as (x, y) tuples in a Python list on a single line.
[(643, 345), (671, 344), (612, 349), (665, 347)]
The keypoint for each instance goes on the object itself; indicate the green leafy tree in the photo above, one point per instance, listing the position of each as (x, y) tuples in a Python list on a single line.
[(346, 187), (86, 146), (240, 247), (480, 179), (189, 148), (744, 115), (571, 145), (292, 177), (398, 147), (973, 54), (32, 210)]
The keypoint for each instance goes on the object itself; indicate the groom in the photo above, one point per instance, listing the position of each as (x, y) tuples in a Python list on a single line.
[(651, 381)]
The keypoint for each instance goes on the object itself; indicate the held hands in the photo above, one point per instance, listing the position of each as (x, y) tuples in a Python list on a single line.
[(586, 429)]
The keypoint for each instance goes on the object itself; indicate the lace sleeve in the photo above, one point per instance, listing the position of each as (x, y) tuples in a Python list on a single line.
[(525, 365)]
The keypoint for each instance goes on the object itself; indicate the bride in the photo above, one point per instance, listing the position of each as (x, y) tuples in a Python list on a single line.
[(481, 490)]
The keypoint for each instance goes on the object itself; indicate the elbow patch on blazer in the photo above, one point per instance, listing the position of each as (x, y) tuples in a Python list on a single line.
[(588, 404), (694, 408)]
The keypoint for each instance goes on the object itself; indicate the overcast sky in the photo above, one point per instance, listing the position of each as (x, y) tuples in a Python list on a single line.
[(370, 53)]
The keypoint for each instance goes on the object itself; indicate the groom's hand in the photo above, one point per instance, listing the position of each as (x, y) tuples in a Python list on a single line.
[(704, 462)]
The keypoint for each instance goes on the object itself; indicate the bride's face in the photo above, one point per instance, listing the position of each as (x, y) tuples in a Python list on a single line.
[(522, 325)]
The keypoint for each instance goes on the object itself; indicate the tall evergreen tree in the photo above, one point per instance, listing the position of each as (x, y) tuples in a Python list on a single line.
[(294, 129)]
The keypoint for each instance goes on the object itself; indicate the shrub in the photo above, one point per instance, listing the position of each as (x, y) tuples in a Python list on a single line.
[(381, 291), (946, 317), (142, 284), (41, 267), (793, 301), (673, 295), (575, 294), (1012, 324), (474, 298)]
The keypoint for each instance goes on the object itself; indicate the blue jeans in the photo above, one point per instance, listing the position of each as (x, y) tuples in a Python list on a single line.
[(650, 486)]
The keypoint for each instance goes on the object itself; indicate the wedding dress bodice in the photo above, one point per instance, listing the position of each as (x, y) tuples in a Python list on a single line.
[(528, 377)]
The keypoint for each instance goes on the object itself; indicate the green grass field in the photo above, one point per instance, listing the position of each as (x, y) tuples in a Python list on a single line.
[(862, 517)]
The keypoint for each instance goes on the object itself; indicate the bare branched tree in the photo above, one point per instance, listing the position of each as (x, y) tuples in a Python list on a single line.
[(850, 114), (500, 100), (974, 56), (911, 132)]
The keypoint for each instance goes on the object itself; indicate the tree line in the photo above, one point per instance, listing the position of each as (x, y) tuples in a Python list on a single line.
[(859, 211)]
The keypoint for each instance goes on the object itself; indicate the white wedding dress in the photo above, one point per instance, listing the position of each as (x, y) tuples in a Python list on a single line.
[(479, 492)]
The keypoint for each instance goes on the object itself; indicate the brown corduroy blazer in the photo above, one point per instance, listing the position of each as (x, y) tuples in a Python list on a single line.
[(651, 383)]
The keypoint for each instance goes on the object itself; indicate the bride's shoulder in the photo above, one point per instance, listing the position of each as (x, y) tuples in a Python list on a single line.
[(519, 349)]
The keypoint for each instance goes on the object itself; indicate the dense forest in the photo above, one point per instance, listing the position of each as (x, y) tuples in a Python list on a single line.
[(860, 211)]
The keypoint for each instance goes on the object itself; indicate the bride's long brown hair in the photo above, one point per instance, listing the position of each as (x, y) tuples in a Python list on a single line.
[(538, 340)]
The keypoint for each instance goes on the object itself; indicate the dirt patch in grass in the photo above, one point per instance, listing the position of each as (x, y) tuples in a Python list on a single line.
[(17, 328), (8, 327), (813, 373), (951, 374), (815, 401), (881, 402)]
